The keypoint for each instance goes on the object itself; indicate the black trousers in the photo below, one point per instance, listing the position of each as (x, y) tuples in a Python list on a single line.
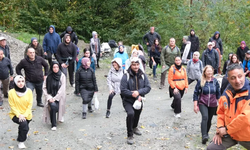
[(110, 98), (54, 107), (133, 117), (49, 57), (207, 115), (97, 59), (191, 81), (70, 69), (176, 104), (23, 129)]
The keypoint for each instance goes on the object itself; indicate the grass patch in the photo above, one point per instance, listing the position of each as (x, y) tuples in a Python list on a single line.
[(26, 37)]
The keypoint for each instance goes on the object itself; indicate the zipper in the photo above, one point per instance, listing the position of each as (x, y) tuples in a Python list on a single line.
[(136, 84), (208, 94)]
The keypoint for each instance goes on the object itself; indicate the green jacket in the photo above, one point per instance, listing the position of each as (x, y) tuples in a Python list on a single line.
[(168, 56)]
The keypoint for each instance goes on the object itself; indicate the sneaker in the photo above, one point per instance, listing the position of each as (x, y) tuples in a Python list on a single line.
[(90, 109), (1, 103), (177, 115), (62, 120), (84, 115), (137, 131), (40, 105), (204, 140), (108, 114), (21, 145), (73, 85), (155, 78), (53, 128), (130, 140)]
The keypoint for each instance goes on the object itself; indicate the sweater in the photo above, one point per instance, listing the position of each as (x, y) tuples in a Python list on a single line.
[(5, 68), (64, 51), (194, 70), (20, 105)]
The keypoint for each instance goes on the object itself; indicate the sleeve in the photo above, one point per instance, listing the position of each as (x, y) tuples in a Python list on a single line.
[(77, 86), (178, 52), (62, 35), (203, 59), (109, 80), (210, 40), (28, 110), (147, 87), (221, 47), (159, 37), (198, 44), (25, 52), (59, 40), (12, 104), (78, 64), (10, 68), (220, 113), (42, 51), (58, 55), (94, 81), (188, 67), (144, 39), (19, 67), (62, 90), (45, 92), (162, 57), (241, 121), (74, 52), (76, 39), (218, 92), (46, 67), (45, 43), (201, 66), (186, 80), (124, 87), (171, 77), (196, 91)]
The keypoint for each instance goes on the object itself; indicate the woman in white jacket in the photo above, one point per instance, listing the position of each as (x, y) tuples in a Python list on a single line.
[(114, 78)]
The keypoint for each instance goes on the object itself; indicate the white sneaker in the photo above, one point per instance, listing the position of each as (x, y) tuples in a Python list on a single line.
[(53, 128), (21, 145), (177, 115), (62, 120), (73, 85)]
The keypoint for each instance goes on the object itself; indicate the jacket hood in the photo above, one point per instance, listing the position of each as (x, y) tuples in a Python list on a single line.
[(217, 32), (64, 38), (190, 32), (118, 61), (54, 29), (69, 29)]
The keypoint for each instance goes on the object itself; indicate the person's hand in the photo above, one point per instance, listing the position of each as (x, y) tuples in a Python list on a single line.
[(139, 98), (21, 118), (163, 67), (51, 100), (64, 65), (45, 53), (154, 63), (186, 90), (147, 43), (221, 56), (44, 77), (111, 91), (222, 131), (11, 78), (196, 109), (176, 91), (135, 94), (217, 139)]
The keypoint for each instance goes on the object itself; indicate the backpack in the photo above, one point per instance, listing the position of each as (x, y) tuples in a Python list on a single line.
[(189, 63), (112, 44), (174, 70)]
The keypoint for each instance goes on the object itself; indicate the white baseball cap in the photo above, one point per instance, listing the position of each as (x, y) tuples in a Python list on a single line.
[(2, 38)]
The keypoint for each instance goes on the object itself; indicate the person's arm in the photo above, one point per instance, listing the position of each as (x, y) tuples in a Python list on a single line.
[(197, 91), (201, 66), (224, 67), (124, 87), (188, 67), (94, 81), (58, 55), (78, 64), (171, 77), (198, 44), (77, 85), (144, 38), (13, 106), (186, 79), (76, 39), (220, 112), (42, 51), (19, 67), (29, 107), (74, 52), (217, 59), (62, 35), (45, 66), (25, 52), (59, 40), (10, 68), (163, 64), (159, 37), (146, 89), (62, 89)]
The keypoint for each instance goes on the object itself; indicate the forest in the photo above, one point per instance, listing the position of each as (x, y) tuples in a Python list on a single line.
[(129, 20)]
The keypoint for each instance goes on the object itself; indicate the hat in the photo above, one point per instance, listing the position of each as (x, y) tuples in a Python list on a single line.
[(248, 52), (2, 38), (135, 60), (209, 43), (32, 39)]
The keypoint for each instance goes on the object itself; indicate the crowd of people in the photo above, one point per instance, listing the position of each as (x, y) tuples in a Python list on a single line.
[(127, 77)]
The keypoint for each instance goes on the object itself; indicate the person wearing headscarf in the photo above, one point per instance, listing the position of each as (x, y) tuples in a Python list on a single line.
[(114, 79), (54, 89), (121, 54), (135, 53), (241, 51), (178, 84), (20, 101), (86, 85), (95, 47)]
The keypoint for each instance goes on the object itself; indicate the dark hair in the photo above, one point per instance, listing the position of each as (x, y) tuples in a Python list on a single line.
[(85, 50), (177, 56), (231, 60), (234, 66), (153, 46)]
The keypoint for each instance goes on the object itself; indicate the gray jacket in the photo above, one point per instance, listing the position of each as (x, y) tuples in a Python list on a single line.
[(194, 70), (210, 58)]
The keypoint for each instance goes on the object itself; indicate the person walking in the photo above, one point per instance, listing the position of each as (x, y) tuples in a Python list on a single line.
[(194, 68), (86, 85), (66, 56), (155, 55), (168, 55), (114, 79), (4, 47), (195, 42), (6, 70), (218, 43), (241, 51), (149, 38), (37, 47), (50, 43), (121, 54), (206, 95), (233, 125), (33, 67), (178, 84), (95, 47), (20, 101), (54, 89), (73, 36), (134, 86), (226, 63)]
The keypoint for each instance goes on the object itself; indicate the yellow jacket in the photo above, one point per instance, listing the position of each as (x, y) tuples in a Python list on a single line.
[(20, 105)]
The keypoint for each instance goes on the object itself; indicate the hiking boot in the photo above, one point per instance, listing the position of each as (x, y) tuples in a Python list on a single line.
[(204, 140), (137, 131), (84, 115), (130, 140), (40, 104), (108, 114), (90, 109)]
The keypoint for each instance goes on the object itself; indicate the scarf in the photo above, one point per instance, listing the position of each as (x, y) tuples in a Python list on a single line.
[(178, 66), (84, 62), (53, 79), (195, 60), (19, 91)]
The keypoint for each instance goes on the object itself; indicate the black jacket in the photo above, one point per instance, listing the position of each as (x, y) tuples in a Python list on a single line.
[(241, 53), (5, 68), (129, 84), (149, 37), (73, 35), (39, 50), (218, 42), (6, 51), (64, 51), (210, 58), (195, 43), (33, 69)]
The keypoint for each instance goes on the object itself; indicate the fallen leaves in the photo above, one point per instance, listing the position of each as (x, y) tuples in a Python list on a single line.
[(142, 127), (81, 130), (99, 147), (35, 132), (11, 147)]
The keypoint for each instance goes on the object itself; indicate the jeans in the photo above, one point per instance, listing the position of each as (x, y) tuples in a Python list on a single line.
[(71, 72), (133, 117), (207, 115), (39, 90), (155, 66), (54, 107), (23, 129), (5, 84)]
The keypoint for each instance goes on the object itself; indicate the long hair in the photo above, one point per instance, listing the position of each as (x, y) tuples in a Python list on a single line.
[(153, 46), (203, 77), (231, 60)]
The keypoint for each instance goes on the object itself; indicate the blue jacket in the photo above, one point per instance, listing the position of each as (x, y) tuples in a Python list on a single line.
[(51, 41), (246, 64), (92, 65), (207, 95), (123, 56)]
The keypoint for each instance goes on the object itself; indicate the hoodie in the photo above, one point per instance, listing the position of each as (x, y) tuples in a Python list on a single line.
[(195, 43), (51, 41), (73, 36), (218, 42)]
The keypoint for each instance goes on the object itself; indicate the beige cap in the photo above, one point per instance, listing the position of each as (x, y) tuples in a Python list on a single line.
[(2, 38)]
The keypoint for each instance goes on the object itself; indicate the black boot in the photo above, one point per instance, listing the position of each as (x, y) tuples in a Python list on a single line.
[(84, 115), (40, 104), (204, 139)]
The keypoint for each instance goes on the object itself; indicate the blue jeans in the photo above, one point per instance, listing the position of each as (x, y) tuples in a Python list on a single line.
[(39, 90)]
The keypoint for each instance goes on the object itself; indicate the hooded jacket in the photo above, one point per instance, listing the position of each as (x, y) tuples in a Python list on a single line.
[(65, 51), (150, 37), (51, 41), (241, 53), (38, 50), (129, 84), (210, 57), (195, 43), (218, 42), (115, 76), (73, 35)]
